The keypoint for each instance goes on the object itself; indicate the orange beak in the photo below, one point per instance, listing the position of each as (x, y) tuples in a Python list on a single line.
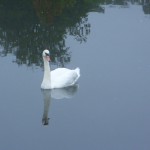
[(48, 58)]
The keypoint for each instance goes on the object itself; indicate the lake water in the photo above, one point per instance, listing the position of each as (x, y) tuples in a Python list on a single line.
[(109, 110)]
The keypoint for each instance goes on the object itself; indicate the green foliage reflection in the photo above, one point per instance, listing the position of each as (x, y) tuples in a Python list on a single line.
[(29, 26)]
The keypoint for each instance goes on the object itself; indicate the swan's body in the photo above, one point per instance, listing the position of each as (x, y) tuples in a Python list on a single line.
[(58, 78)]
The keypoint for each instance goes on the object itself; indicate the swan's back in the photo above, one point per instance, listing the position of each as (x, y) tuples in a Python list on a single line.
[(63, 77)]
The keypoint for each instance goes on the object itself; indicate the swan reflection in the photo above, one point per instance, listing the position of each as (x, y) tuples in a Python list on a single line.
[(63, 93)]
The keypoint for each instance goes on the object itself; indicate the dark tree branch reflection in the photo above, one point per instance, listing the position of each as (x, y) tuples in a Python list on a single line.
[(29, 26)]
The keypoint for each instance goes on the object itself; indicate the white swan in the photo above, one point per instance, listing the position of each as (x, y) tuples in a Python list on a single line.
[(58, 78)]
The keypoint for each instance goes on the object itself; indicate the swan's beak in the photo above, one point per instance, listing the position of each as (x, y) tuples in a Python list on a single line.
[(48, 58)]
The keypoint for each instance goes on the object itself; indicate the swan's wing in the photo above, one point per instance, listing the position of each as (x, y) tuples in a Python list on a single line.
[(63, 77), (59, 71)]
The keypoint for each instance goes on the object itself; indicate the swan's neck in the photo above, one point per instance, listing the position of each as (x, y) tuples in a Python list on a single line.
[(47, 74), (46, 84)]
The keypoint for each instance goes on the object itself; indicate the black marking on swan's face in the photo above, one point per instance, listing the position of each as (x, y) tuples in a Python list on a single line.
[(46, 53)]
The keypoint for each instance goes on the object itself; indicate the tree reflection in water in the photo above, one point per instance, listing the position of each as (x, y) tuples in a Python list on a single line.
[(28, 27)]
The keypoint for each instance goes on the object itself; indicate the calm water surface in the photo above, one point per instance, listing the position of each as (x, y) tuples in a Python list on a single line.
[(109, 110)]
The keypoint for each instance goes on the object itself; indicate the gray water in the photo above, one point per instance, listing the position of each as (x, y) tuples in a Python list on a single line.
[(109, 110)]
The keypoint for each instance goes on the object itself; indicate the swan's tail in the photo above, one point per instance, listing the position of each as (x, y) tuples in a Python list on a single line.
[(78, 71), (76, 75)]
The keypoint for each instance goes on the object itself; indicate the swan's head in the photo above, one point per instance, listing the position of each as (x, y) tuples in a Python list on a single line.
[(46, 54)]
